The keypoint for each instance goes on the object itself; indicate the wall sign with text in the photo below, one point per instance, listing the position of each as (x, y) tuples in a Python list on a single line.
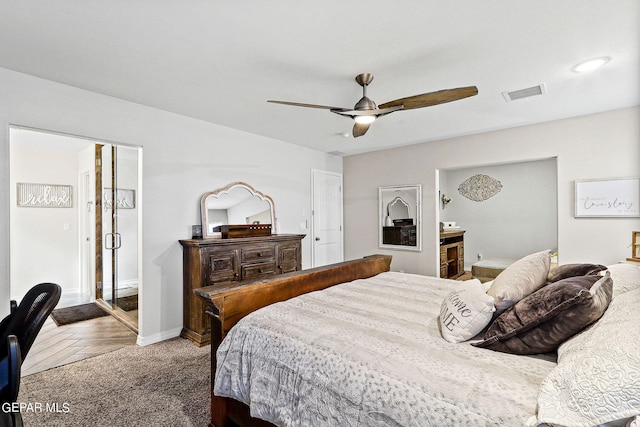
[(124, 199), (44, 195), (608, 198)]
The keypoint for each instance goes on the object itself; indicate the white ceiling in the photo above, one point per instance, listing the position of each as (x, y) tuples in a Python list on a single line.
[(219, 61)]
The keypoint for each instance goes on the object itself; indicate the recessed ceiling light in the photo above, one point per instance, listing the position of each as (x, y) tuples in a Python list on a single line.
[(591, 64)]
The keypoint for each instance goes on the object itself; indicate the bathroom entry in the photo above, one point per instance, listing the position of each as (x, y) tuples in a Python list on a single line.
[(117, 213), (67, 241)]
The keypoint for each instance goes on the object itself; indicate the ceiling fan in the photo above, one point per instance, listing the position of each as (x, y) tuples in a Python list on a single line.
[(366, 111)]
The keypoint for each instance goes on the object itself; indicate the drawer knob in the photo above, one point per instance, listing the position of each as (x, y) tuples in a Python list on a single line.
[(259, 254)]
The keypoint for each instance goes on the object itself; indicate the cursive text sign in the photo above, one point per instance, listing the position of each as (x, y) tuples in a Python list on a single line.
[(608, 198), (44, 195), (124, 199)]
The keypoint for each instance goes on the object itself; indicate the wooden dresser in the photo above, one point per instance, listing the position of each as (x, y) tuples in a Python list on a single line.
[(210, 262), (399, 235), (451, 254)]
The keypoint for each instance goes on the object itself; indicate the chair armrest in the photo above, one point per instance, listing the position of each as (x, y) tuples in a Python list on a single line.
[(10, 370)]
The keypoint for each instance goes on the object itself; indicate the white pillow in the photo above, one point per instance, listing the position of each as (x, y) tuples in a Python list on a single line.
[(465, 312), (625, 277), (520, 279), (596, 379)]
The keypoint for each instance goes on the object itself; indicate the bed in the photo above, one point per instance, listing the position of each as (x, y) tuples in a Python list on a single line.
[(368, 349)]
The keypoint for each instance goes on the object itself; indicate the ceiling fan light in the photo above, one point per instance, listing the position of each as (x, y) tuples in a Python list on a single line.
[(364, 120)]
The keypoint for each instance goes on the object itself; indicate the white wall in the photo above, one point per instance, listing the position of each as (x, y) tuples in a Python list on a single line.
[(182, 159), (520, 219), (603, 145), (55, 257)]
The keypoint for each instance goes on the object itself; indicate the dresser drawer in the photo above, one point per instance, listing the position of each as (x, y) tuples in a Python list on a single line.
[(258, 253), (258, 270), (288, 258), (222, 266)]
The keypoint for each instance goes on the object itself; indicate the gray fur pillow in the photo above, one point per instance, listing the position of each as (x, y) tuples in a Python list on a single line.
[(542, 321), (571, 270)]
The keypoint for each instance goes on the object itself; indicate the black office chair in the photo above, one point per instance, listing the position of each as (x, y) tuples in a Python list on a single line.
[(10, 367), (26, 319), (19, 330)]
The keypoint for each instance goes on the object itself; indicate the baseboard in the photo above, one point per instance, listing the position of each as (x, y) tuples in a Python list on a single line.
[(161, 336)]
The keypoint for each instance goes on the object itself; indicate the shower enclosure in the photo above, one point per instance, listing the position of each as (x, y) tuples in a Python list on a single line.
[(117, 231)]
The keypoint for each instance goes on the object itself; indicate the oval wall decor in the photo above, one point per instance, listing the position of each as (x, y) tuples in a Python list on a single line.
[(480, 188)]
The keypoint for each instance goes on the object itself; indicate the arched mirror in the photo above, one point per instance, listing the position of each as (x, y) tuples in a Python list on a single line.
[(397, 209), (236, 204), (400, 217)]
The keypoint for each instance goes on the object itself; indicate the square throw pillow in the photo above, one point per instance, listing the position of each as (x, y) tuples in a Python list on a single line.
[(542, 321), (626, 277), (465, 312), (520, 279), (571, 270)]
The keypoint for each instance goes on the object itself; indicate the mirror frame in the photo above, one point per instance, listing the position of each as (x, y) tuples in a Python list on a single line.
[(387, 195), (225, 190)]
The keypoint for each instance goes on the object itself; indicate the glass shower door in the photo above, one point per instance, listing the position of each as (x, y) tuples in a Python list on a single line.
[(119, 222)]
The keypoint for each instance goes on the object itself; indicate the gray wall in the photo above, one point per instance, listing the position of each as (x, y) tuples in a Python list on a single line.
[(598, 146)]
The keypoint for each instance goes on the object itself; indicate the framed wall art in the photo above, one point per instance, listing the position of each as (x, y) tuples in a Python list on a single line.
[(44, 195), (608, 198)]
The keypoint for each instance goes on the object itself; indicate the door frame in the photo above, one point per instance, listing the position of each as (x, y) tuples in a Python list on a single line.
[(86, 233), (139, 202)]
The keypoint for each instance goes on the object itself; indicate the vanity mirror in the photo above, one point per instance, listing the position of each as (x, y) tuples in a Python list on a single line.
[(400, 213), (236, 204)]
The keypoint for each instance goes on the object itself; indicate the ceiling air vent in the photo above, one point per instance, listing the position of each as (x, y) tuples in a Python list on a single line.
[(525, 93)]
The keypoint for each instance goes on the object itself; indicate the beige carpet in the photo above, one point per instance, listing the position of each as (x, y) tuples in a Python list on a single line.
[(164, 384)]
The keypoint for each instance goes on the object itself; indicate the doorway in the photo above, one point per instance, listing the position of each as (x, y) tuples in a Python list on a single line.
[(326, 218), (513, 214), (55, 243)]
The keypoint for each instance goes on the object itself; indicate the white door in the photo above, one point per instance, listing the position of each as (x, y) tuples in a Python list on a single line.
[(326, 218)]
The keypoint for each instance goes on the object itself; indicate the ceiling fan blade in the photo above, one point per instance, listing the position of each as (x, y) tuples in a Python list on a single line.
[(432, 98), (298, 104), (360, 129)]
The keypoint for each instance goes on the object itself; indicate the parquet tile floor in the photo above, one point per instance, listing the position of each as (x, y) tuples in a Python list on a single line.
[(59, 345)]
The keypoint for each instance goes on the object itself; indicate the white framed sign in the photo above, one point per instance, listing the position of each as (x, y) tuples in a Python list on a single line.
[(44, 195), (611, 198)]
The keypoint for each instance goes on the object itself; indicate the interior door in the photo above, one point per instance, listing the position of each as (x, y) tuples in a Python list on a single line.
[(118, 287), (326, 225)]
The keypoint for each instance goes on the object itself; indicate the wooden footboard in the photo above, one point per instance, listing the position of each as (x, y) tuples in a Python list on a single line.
[(227, 304)]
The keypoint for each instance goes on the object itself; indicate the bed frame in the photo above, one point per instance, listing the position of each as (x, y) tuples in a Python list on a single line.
[(227, 304)]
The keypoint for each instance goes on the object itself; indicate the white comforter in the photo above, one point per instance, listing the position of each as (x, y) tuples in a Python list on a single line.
[(369, 353)]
